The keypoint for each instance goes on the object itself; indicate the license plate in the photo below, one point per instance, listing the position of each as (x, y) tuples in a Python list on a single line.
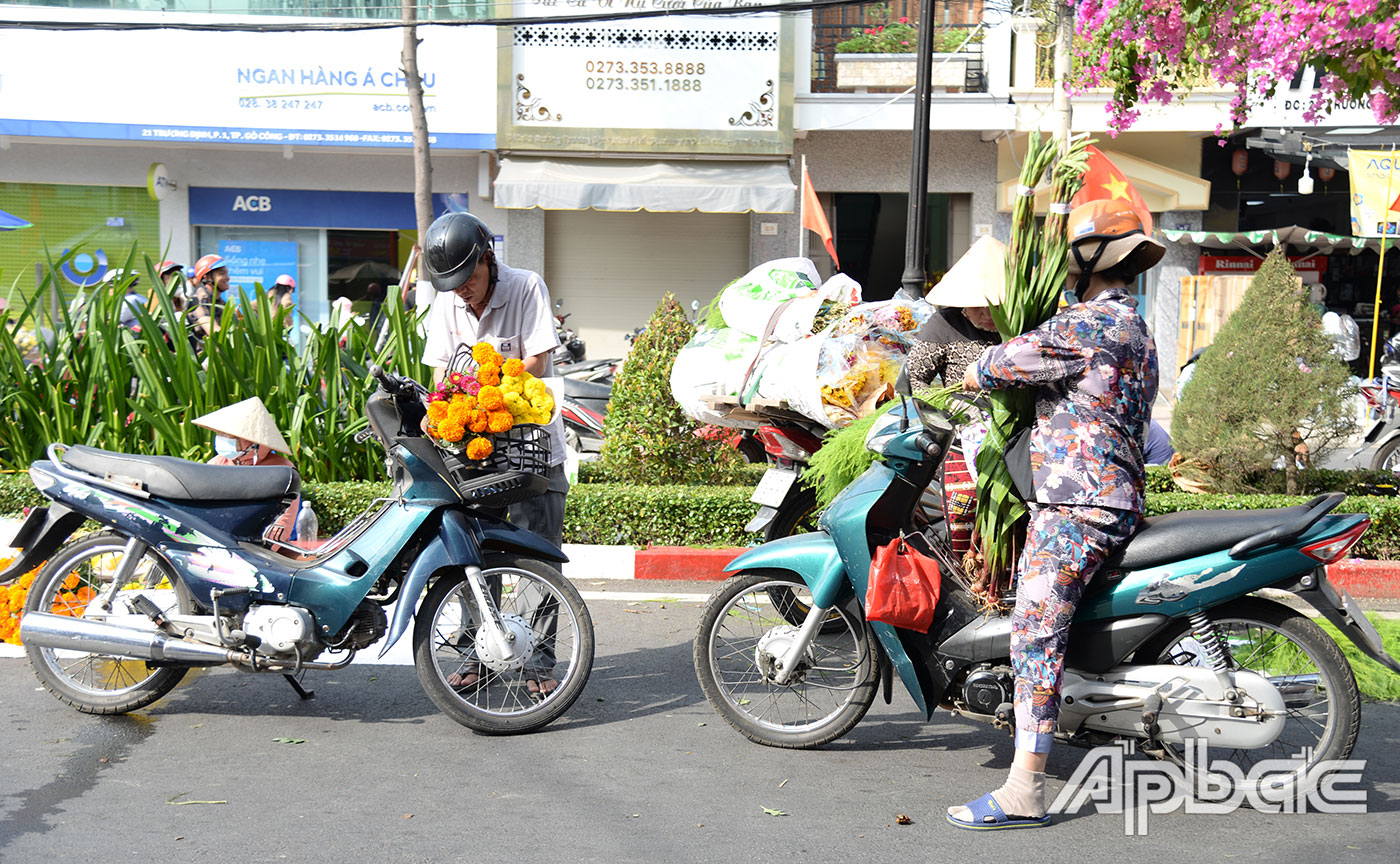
[(774, 486)]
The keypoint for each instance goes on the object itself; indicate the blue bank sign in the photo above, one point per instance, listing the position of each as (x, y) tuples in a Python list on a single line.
[(311, 208)]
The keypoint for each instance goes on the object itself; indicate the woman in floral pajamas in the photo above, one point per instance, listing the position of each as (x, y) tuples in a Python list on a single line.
[(1095, 369)]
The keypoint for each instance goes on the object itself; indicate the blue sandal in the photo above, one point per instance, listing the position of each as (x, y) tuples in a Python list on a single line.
[(987, 815)]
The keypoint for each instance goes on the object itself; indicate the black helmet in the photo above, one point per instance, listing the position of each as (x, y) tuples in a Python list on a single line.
[(454, 245)]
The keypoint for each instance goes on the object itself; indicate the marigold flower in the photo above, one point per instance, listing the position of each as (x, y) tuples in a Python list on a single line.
[(491, 398), (513, 367), (481, 352), (489, 374), (516, 404), (459, 414), (436, 411), (479, 448), (500, 421), (71, 582), (513, 384), (479, 422), (450, 431)]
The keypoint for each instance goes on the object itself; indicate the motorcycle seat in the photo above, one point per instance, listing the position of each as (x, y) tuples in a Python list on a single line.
[(1177, 536), (587, 389), (183, 480)]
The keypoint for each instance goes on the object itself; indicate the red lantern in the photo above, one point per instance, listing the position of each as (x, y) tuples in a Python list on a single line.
[(1326, 173), (1239, 161), (1282, 169)]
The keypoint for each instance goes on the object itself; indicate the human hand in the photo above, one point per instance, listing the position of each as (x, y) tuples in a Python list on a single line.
[(969, 381)]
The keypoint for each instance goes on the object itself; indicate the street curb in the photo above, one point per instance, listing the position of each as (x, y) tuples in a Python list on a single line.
[(1369, 580), (684, 564)]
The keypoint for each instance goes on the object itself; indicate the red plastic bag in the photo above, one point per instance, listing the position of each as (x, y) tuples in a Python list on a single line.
[(903, 587)]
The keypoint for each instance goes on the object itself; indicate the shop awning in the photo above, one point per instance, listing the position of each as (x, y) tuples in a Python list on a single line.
[(1316, 241), (1161, 188), (660, 186)]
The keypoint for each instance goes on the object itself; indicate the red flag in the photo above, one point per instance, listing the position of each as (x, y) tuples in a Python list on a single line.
[(814, 218), (1102, 179), (1395, 205)]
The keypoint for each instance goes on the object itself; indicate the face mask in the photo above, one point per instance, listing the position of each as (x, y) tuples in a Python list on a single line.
[(226, 447)]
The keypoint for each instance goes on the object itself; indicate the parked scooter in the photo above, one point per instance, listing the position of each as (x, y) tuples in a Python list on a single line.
[(584, 410), (1382, 396), (1167, 648), (179, 579), (571, 348)]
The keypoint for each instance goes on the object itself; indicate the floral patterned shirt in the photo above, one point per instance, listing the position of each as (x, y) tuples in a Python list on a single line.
[(1096, 369)]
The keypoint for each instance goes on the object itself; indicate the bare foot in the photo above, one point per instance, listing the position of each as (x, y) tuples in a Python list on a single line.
[(542, 687), (470, 676)]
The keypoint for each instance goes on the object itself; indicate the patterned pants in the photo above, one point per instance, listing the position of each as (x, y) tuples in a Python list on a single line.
[(959, 501), (1065, 546)]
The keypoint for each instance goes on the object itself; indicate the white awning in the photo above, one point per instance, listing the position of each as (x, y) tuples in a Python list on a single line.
[(661, 186), (1317, 241)]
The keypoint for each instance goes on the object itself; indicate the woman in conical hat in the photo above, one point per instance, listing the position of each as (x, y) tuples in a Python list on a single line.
[(246, 434), (949, 341)]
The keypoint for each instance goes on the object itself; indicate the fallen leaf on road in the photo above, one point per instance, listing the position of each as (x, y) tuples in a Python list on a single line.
[(408, 815), (771, 812), (697, 724), (180, 837), (289, 740), (901, 819), (784, 783)]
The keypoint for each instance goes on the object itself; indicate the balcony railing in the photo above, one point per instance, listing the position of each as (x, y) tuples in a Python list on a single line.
[(428, 10), (956, 18)]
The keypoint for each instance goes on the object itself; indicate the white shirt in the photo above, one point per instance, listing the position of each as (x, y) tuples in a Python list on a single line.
[(517, 321)]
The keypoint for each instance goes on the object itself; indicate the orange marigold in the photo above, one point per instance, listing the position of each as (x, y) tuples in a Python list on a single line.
[(500, 421), (479, 421), (513, 367), (491, 399), (71, 582), (479, 448), (437, 411), (481, 352), (489, 374), (450, 431), (459, 414)]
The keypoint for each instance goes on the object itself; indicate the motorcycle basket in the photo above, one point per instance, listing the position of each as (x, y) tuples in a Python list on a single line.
[(515, 470)]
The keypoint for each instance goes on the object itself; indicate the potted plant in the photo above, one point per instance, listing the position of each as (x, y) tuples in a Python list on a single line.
[(883, 54)]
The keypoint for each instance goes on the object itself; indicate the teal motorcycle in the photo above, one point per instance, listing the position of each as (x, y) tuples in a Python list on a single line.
[(1171, 646), (180, 577)]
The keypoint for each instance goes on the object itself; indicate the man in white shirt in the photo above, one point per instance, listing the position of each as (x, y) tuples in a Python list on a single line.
[(480, 300)]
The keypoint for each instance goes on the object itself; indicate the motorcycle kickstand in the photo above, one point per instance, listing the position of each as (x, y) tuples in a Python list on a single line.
[(296, 685)]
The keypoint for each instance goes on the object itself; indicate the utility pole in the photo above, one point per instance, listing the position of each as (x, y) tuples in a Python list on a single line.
[(1064, 47), (916, 227), (422, 160)]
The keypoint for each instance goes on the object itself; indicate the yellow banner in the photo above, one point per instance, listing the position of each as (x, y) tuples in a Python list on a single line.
[(1375, 188)]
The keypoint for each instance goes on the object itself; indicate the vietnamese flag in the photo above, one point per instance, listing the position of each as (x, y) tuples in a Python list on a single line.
[(1102, 179), (814, 218)]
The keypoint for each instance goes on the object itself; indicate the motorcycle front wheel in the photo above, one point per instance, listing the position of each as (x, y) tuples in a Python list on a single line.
[(742, 631), (1321, 701), (536, 604), (70, 584)]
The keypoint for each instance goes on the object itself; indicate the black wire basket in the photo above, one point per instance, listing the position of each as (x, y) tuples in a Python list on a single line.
[(515, 470)]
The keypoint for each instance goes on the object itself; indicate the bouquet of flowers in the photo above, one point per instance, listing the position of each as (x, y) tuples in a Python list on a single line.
[(484, 394)]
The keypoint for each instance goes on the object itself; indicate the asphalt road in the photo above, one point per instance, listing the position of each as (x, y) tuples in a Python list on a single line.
[(639, 770)]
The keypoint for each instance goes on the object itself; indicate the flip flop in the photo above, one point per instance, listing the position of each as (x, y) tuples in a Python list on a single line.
[(462, 685), (536, 686), (987, 815)]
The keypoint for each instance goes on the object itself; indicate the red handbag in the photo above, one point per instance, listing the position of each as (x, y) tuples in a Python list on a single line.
[(903, 587)]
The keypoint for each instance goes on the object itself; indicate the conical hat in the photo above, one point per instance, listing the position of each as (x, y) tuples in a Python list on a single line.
[(248, 420), (977, 279)]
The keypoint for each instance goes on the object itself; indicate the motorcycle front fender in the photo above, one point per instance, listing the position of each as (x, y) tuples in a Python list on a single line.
[(44, 530), (813, 558)]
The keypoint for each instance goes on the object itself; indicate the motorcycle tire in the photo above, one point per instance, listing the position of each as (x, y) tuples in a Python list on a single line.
[(740, 633), (1286, 646), (99, 683), (1385, 458), (532, 593)]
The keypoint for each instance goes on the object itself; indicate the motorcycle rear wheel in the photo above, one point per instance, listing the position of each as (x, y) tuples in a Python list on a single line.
[(1386, 457), (500, 703), (98, 683), (740, 629), (1320, 694)]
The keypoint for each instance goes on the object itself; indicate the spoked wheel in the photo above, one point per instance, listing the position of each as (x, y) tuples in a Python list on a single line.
[(743, 632), (73, 583), (505, 688), (1387, 458), (1322, 703)]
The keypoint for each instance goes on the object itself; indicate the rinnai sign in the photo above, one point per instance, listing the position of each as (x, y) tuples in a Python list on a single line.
[(306, 89), (685, 84), (1245, 264)]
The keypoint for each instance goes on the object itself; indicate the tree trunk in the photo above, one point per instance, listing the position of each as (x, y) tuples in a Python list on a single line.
[(422, 162), (1290, 467)]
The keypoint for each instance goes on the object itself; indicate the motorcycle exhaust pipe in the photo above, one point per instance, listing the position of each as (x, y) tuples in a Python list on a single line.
[(62, 632)]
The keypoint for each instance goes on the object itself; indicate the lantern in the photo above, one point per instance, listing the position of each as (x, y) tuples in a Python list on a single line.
[(1239, 161), (1282, 169), (1325, 173)]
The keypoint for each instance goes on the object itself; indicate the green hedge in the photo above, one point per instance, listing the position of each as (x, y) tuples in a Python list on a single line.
[(597, 472), (610, 513)]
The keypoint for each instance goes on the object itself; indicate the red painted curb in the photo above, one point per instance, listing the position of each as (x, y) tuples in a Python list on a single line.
[(683, 563), (1375, 580)]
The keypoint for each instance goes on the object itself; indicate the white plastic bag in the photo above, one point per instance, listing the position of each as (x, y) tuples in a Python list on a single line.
[(749, 302), (713, 363)]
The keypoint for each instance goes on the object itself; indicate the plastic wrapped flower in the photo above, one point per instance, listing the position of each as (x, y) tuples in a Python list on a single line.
[(513, 368), (479, 448), (500, 421), (491, 399), (489, 374)]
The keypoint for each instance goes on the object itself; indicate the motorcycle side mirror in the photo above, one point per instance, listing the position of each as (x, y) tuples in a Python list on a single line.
[(694, 305), (559, 304), (901, 384)]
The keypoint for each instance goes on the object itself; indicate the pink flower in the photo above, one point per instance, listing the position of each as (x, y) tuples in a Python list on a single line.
[(903, 19), (472, 387)]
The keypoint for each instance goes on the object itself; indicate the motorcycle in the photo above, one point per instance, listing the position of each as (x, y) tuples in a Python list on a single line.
[(181, 578), (1167, 648), (571, 348), (584, 409), (1382, 398)]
